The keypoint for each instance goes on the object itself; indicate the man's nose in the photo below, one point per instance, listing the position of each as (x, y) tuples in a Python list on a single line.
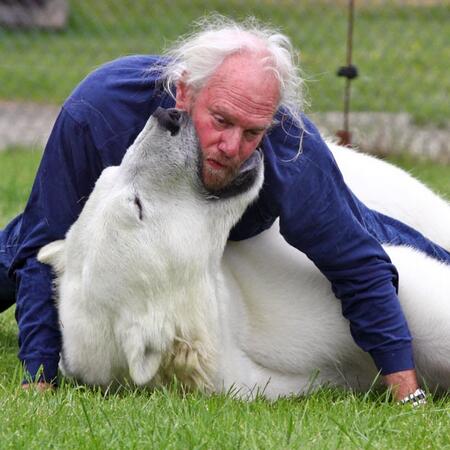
[(231, 142)]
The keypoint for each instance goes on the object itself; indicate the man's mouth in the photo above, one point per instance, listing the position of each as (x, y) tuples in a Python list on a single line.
[(222, 180), (216, 165)]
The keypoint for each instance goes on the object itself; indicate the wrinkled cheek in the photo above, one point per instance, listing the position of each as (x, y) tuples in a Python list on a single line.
[(202, 134), (208, 141)]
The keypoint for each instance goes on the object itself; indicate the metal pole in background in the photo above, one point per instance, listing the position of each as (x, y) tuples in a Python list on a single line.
[(349, 72)]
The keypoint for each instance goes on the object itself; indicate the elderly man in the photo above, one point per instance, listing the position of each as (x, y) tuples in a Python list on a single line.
[(241, 88)]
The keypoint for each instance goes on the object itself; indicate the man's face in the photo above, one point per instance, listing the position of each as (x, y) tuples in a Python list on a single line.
[(230, 114)]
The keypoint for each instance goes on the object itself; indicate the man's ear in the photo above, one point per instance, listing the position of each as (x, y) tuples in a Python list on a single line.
[(183, 97)]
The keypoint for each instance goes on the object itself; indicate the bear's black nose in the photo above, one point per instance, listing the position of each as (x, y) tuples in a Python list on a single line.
[(170, 119)]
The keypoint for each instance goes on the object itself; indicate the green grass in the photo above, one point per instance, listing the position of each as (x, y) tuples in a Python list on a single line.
[(17, 169), (77, 417), (401, 51), (84, 419)]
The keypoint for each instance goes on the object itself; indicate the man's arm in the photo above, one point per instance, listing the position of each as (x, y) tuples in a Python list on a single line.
[(39, 336), (98, 123), (320, 216), (65, 177), (402, 383)]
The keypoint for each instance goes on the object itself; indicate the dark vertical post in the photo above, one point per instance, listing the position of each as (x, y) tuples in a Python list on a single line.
[(349, 72)]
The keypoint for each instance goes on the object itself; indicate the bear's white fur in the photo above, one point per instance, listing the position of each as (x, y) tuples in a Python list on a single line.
[(263, 319), (282, 329), (394, 192), (136, 284), (284, 332)]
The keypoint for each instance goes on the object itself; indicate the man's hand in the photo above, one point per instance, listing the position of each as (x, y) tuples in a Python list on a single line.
[(402, 383), (40, 386)]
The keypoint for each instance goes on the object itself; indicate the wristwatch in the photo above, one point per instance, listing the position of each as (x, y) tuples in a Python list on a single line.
[(418, 397)]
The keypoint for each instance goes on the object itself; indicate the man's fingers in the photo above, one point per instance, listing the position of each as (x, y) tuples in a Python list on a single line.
[(40, 386)]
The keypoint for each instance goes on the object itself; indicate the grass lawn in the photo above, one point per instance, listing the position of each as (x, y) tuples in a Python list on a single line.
[(399, 50), (79, 418)]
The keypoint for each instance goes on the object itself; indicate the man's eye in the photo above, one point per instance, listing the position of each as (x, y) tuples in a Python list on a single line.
[(253, 133), (220, 120)]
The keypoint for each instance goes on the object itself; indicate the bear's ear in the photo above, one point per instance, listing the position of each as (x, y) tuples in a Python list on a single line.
[(53, 254)]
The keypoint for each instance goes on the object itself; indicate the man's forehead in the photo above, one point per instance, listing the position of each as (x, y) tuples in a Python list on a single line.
[(247, 73), (242, 101), (230, 113)]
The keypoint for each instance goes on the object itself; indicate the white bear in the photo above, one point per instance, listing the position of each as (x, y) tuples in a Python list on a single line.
[(144, 293), (136, 273), (283, 332)]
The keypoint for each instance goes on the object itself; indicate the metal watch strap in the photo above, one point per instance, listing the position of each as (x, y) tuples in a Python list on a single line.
[(416, 398)]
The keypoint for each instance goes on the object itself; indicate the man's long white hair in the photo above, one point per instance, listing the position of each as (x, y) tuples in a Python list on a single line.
[(195, 57)]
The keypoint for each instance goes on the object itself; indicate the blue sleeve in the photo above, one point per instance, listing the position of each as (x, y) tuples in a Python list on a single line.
[(321, 217), (67, 174)]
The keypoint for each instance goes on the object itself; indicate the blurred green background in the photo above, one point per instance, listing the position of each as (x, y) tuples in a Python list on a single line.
[(400, 47)]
